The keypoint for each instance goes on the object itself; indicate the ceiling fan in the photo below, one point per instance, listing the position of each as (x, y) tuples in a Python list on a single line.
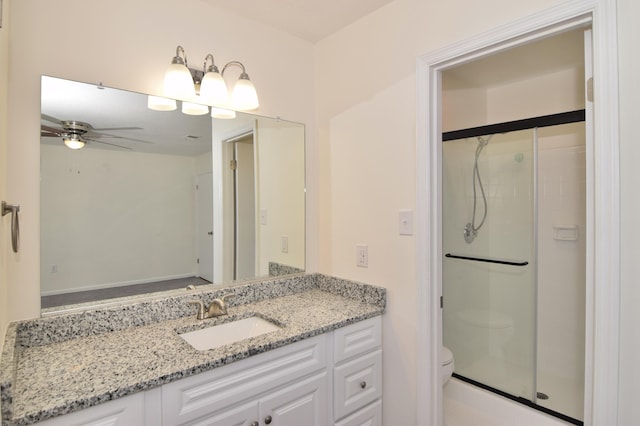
[(76, 134)]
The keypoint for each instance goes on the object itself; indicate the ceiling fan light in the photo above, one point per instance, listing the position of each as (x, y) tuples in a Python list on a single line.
[(225, 114), (73, 142), (244, 96), (213, 89), (158, 103), (178, 82), (190, 108)]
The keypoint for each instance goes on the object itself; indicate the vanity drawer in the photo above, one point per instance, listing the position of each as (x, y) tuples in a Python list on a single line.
[(357, 383), (357, 339), (371, 415)]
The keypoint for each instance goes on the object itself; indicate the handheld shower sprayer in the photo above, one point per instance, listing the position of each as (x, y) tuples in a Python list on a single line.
[(470, 229)]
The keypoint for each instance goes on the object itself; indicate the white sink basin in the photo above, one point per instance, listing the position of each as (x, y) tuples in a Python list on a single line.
[(230, 332)]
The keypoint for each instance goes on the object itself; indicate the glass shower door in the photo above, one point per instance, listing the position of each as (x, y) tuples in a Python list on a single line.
[(489, 295)]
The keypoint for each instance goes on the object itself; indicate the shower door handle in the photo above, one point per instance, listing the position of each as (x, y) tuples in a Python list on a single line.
[(488, 260), (15, 224)]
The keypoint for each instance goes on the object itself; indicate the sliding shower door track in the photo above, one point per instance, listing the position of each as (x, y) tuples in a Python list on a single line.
[(513, 126), (520, 400)]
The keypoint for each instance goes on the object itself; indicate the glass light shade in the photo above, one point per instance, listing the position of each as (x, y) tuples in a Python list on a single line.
[(213, 89), (244, 96), (73, 142), (178, 82), (225, 114), (158, 103), (194, 109)]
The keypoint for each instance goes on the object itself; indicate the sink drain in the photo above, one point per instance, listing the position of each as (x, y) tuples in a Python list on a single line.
[(542, 396)]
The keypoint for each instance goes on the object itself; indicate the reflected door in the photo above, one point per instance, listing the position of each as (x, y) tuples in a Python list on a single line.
[(204, 225), (245, 210)]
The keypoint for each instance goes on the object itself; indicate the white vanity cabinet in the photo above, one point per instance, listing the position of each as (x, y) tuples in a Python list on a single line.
[(357, 374), (333, 378), (286, 386), (128, 410)]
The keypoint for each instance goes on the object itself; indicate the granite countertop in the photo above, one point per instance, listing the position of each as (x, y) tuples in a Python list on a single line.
[(60, 364)]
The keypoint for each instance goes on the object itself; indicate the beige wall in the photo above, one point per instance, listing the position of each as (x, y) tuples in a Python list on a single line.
[(364, 168), (127, 44), (365, 97), (629, 71), (5, 249)]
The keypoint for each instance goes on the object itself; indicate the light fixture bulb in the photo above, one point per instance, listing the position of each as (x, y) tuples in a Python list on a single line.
[(178, 82), (74, 141), (213, 89), (244, 96), (225, 114), (158, 103), (191, 108)]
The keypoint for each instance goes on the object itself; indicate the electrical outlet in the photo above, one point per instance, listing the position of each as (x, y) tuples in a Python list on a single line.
[(362, 255), (284, 244)]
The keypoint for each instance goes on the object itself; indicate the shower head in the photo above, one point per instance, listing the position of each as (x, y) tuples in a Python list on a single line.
[(483, 141)]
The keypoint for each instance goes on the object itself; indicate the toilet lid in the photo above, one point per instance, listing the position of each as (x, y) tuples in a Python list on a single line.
[(446, 355)]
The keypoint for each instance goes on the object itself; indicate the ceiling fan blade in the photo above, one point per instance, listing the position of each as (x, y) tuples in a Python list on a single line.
[(51, 130), (51, 119), (46, 134), (107, 143), (118, 128), (97, 135)]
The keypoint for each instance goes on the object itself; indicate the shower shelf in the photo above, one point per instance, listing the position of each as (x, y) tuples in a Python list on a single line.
[(488, 260)]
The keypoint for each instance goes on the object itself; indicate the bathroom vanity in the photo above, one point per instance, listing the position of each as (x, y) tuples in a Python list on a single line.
[(128, 365)]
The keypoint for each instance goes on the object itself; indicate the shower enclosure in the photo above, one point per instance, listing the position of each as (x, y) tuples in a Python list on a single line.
[(514, 259)]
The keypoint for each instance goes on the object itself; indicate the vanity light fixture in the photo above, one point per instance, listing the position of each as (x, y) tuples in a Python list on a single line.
[(178, 82), (207, 87)]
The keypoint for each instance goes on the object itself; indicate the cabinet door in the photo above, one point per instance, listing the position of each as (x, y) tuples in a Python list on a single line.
[(126, 411), (242, 415), (301, 403)]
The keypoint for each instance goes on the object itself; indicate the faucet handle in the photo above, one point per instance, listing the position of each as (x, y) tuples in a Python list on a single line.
[(224, 297), (200, 314)]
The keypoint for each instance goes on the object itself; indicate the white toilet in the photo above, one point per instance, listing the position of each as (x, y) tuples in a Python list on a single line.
[(446, 356)]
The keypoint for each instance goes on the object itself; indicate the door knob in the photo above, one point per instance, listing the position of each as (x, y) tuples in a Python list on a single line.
[(267, 420)]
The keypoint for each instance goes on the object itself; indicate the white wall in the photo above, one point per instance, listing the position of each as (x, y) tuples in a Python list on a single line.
[(381, 50), (127, 44), (107, 216), (629, 68), (280, 193), (365, 91), (4, 224)]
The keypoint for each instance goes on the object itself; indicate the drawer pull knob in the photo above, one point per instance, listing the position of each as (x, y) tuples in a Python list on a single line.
[(254, 424), (267, 420), (363, 385)]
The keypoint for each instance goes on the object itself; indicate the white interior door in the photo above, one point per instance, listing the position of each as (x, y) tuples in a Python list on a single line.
[(204, 225)]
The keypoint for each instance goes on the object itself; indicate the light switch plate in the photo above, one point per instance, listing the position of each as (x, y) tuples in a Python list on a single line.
[(362, 255), (405, 222)]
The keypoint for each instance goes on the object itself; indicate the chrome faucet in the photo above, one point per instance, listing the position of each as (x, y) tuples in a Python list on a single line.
[(217, 307)]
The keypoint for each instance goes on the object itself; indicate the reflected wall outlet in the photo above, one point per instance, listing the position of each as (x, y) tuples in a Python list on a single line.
[(362, 255)]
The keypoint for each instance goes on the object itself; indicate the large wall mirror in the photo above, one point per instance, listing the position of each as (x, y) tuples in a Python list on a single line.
[(157, 200)]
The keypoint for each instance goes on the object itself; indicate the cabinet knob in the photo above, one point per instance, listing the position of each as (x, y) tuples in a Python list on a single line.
[(363, 385), (254, 424), (267, 420)]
